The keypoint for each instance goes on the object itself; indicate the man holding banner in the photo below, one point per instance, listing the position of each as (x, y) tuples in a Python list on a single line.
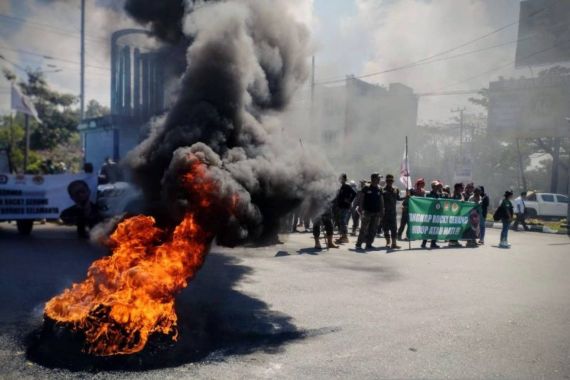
[(443, 219)]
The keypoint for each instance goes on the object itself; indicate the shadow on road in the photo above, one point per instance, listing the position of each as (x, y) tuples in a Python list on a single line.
[(215, 320)]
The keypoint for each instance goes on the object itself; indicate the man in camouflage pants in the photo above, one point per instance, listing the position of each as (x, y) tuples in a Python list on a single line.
[(390, 195), (371, 209)]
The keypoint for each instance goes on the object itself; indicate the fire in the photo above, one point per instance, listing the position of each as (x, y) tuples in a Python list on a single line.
[(129, 295)]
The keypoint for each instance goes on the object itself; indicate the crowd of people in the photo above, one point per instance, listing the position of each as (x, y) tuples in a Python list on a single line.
[(373, 209)]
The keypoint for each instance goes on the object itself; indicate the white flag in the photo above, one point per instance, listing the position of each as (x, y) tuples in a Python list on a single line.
[(23, 104), (405, 172)]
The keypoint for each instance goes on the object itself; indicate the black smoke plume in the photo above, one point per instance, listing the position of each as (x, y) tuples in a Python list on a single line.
[(245, 61)]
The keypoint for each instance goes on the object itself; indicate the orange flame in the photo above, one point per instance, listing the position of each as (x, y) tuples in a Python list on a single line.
[(130, 295)]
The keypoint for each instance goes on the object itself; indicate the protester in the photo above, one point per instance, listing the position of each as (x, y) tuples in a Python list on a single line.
[(324, 219), (484, 211), (380, 224), (434, 193), (520, 211), (475, 216), (84, 213), (505, 213), (110, 172), (419, 190), (458, 194), (468, 191), (371, 208), (343, 203), (446, 191), (391, 195), (405, 214), (354, 211)]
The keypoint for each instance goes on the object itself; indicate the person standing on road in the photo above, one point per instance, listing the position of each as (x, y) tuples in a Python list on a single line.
[(506, 214), (458, 195), (520, 212), (324, 219), (355, 203), (475, 198), (391, 196), (371, 209), (405, 215), (484, 211), (343, 203), (434, 193)]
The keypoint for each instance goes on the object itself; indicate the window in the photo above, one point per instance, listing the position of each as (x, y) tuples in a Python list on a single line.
[(531, 197), (548, 198), (562, 198)]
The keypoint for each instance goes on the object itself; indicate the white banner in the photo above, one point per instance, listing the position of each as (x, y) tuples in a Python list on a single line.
[(39, 196), (405, 177)]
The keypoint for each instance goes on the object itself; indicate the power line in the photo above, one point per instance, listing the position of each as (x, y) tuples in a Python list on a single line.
[(503, 66), (423, 60), (49, 57), (429, 58), (52, 28), (12, 63), (447, 93), (61, 70), (409, 66)]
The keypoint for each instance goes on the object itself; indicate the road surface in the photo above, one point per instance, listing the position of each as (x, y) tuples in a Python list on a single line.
[(287, 311)]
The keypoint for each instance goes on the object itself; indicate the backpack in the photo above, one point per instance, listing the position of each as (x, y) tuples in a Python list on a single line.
[(499, 213)]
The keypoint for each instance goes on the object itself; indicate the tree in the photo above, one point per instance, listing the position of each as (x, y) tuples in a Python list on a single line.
[(59, 119), (59, 116), (545, 145), (96, 109)]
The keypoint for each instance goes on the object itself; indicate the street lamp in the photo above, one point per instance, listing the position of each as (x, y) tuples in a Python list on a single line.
[(568, 190)]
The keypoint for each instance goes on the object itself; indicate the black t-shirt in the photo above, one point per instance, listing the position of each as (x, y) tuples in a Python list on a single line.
[(345, 196), (372, 201), (391, 197), (484, 205)]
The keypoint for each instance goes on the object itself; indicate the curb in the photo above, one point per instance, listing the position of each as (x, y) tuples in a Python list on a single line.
[(533, 228)]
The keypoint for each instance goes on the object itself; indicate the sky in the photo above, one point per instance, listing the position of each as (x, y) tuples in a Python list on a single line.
[(350, 37)]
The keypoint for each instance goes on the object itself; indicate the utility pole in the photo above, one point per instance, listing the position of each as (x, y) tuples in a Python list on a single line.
[(460, 164), (521, 168), (461, 112), (555, 164), (82, 79), (568, 188)]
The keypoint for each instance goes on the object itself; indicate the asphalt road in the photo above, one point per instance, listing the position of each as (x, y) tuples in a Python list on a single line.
[(289, 312)]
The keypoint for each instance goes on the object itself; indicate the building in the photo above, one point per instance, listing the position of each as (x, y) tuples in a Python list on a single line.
[(359, 120), (137, 94)]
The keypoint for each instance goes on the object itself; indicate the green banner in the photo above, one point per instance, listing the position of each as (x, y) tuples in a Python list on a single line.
[(443, 219)]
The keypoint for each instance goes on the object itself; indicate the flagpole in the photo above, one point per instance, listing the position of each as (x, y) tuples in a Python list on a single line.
[(408, 166), (408, 188), (27, 150)]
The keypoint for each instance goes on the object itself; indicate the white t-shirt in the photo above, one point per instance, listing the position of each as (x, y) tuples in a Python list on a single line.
[(519, 206)]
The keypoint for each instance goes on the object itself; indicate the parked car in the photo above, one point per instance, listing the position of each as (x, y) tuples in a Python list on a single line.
[(546, 205)]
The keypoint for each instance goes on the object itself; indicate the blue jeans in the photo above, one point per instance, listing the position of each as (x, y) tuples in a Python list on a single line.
[(482, 229), (505, 230)]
